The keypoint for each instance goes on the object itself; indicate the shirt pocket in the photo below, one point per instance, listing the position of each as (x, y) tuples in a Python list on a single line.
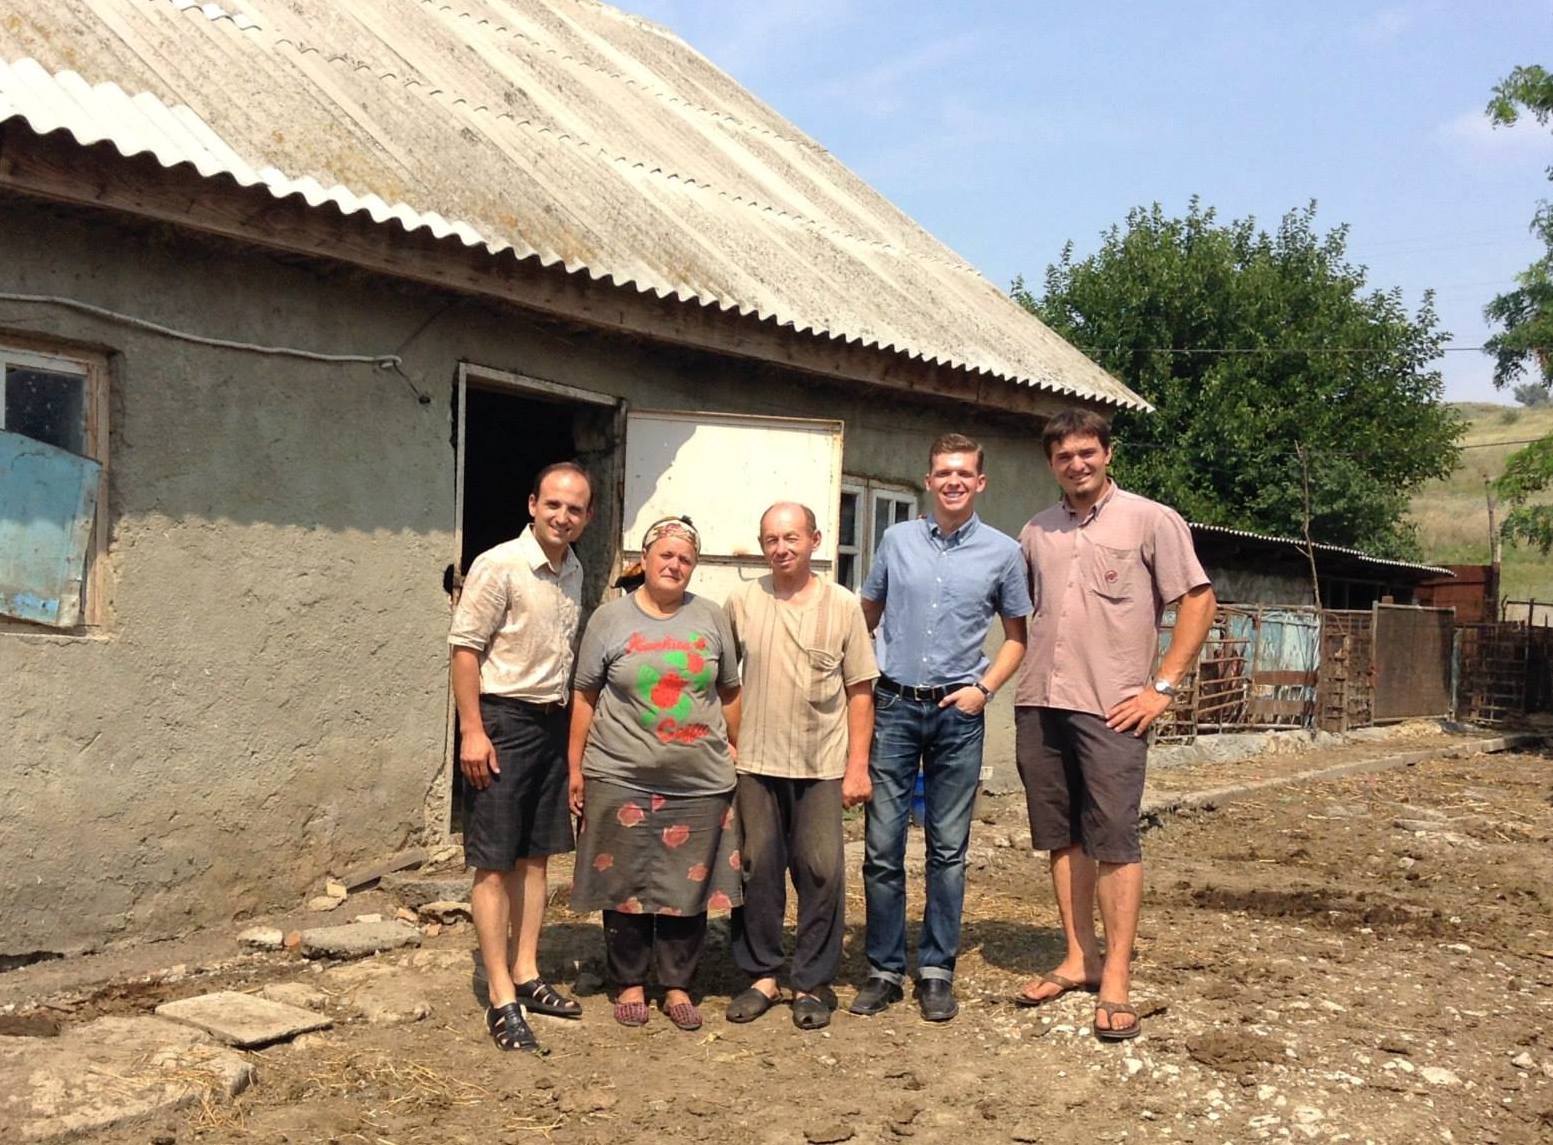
[(1115, 574), (824, 672)]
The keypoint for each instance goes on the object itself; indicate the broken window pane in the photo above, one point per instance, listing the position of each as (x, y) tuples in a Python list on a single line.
[(47, 406)]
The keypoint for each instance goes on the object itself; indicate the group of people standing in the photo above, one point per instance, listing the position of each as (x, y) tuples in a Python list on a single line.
[(706, 753)]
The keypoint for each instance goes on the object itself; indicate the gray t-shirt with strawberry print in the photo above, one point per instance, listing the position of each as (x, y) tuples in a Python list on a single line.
[(659, 725)]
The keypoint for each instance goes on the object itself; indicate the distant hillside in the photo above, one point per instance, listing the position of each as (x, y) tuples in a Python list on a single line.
[(1452, 515)]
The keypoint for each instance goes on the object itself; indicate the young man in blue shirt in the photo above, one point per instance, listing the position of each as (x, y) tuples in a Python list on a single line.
[(935, 585)]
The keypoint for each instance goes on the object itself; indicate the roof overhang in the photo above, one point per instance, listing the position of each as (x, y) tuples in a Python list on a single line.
[(1354, 561), (58, 167)]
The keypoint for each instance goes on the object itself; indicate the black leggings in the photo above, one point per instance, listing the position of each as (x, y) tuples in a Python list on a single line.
[(668, 944)]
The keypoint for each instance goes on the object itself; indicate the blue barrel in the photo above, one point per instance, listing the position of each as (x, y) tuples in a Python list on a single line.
[(919, 801)]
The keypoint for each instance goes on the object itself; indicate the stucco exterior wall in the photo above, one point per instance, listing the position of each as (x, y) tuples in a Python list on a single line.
[(267, 700)]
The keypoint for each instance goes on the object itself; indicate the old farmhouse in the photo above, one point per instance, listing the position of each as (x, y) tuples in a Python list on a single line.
[(295, 299)]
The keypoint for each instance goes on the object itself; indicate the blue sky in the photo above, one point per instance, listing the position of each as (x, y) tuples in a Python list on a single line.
[(1007, 129)]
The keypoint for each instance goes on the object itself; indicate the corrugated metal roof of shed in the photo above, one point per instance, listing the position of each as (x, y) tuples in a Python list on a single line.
[(1320, 547), (563, 130)]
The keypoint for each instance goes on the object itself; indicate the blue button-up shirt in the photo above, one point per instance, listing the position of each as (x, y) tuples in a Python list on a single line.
[(939, 593)]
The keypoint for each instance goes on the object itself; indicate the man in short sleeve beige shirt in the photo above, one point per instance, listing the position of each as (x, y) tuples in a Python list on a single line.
[(511, 647), (805, 729), (1104, 564)]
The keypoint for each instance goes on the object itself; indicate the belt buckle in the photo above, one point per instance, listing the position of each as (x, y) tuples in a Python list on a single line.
[(921, 694)]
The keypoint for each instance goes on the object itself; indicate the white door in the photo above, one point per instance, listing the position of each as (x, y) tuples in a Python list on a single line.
[(722, 471)]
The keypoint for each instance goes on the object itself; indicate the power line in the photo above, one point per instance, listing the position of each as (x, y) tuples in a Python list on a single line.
[(1285, 350)]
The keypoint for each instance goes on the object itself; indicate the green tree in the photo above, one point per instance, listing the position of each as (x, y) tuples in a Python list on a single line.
[(1525, 344), (1533, 396), (1254, 348)]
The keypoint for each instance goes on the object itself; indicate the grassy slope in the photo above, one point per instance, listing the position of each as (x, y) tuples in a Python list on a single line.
[(1452, 515)]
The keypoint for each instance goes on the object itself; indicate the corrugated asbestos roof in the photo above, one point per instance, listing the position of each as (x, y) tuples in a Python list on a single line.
[(1225, 531), (563, 130)]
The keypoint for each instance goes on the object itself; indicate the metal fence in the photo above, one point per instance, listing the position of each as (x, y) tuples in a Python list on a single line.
[(1504, 671), (1257, 672), (1265, 668), (1537, 613), (1345, 687)]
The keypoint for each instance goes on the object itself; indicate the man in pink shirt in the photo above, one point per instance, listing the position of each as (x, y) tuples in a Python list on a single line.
[(1104, 564)]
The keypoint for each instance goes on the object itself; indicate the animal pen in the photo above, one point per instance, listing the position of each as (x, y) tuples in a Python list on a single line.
[(1269, 668)]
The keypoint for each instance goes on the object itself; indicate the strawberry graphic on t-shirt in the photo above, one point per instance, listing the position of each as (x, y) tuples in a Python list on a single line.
[(666, 692)]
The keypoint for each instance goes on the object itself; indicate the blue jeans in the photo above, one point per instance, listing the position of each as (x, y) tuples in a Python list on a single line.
[(948, 744)]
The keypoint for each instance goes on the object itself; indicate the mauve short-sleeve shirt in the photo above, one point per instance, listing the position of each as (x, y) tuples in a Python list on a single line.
[(1100, 584)]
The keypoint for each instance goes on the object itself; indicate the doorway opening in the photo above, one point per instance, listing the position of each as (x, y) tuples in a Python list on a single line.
[(508, 438), (507, 428)]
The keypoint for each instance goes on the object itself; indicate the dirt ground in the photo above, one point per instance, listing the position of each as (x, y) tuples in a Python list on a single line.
[(1308, 969)]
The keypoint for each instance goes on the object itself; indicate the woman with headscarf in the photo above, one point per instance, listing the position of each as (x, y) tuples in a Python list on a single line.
[(654, 712)]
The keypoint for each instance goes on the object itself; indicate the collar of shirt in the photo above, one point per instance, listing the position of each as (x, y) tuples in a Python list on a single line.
[(1094, 510), (959, 536), (534, 553)]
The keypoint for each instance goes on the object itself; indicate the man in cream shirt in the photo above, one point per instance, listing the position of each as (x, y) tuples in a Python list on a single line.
[(807, 722), (512, 641)]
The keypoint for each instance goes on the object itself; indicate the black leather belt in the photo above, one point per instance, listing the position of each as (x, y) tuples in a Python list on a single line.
[(544, 707), (921, 694)]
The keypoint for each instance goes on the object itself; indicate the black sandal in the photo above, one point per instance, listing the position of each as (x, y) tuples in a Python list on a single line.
[(749, 1005), (540, 997), (810, 1012), (509, 1030)]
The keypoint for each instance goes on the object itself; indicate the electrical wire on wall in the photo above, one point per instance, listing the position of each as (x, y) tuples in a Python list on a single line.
[(391, 362)]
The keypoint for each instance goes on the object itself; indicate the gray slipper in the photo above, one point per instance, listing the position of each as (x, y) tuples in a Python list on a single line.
[(810, 1013), (748, 1005)]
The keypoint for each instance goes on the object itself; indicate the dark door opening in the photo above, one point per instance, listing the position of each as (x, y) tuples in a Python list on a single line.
[(508, 439), (508, 435)]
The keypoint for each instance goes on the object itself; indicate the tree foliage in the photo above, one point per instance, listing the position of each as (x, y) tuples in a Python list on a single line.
[(1253, 347), (1525, 344), (1533, 396)]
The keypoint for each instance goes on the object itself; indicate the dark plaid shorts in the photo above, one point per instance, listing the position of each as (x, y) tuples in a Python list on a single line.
[(522, 814), (1083, 782)]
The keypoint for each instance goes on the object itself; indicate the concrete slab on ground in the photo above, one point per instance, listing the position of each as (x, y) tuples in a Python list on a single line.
[(357, 939), (108, 1072), (383, 995), (295, 994), (243, 1020)]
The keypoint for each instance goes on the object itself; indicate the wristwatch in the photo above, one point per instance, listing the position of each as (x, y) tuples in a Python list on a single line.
[(1164, 687), (983, 689)]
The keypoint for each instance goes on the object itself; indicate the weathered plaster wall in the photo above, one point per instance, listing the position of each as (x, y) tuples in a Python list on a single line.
[(267, 700)]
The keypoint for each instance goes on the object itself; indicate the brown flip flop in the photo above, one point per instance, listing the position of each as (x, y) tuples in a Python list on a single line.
[(1111, 1010), (1065, 986)]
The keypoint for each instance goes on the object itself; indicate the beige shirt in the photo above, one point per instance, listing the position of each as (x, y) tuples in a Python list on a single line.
[(1100, 584), (798, 661), (521, 615)]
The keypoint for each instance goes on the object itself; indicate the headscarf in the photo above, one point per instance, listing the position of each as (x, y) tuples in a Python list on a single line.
[(672, 527)]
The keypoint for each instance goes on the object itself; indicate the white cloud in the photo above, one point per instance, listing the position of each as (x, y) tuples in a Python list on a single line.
[(748, 39), (1471, 131), (886, 87), (1387, 25)]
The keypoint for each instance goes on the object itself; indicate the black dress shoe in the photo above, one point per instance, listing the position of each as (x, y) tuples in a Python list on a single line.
[(935, 997), (876, 996)]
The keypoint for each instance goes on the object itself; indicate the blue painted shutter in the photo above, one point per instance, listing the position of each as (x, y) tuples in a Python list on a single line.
[(48, 498)]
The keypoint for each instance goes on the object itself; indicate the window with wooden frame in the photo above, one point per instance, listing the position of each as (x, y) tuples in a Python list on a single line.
[(891, 506), (53, 485), (868, 508), (850, 533)]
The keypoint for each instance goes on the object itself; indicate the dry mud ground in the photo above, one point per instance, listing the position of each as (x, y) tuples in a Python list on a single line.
[(1308, 970)]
